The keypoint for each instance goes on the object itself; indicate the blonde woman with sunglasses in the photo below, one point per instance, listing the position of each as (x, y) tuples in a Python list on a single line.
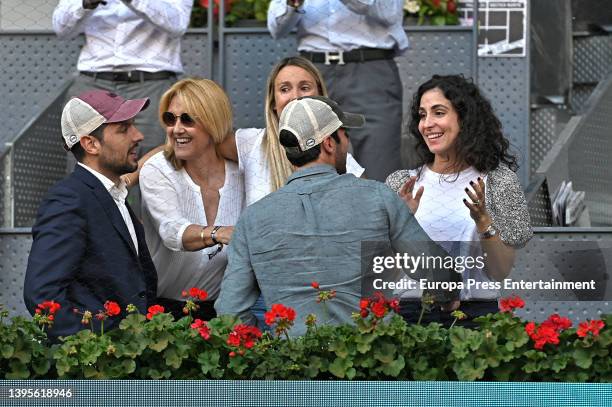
[(191, 195)]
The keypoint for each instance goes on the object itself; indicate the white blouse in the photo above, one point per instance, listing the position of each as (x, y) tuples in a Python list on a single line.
[(171, 201), (253, 164), (445, 218)]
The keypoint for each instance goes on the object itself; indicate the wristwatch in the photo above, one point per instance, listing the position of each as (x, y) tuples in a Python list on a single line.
[(213, 235), (489, 232)]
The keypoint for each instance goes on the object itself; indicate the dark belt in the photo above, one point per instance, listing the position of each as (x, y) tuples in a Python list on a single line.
[(342, 57), (130, 76)]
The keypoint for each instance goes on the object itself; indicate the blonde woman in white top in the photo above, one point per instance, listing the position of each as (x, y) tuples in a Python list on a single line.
[(260, 156), (192, 196)]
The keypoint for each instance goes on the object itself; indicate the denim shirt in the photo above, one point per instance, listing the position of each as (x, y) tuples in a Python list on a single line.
[(312, 230)]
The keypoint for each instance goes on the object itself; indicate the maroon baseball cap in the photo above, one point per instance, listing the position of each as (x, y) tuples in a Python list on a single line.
[(89, 110)]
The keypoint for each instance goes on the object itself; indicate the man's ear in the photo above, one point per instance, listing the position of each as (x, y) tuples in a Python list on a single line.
[(328, 145), (90, 145)]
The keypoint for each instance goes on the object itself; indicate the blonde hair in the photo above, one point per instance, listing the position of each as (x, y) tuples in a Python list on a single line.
[(280, 167), (206, 102)]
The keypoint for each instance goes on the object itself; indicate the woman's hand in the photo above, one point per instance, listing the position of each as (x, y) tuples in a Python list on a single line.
[(132, 179), (224, 234), (476, 205), (405, 193), (295, 3)]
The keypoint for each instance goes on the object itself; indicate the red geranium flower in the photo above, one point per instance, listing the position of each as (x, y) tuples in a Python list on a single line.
[(202, 328), (51, 306), (196, 294), (509, 304), (112, 308), (154, 310), (378, 305), (436, 3), (45, 313), (548, 331), (451, 6), (558, 323), (379, 309), (243, 337), (315, 285), (593, 327), (281, 316)]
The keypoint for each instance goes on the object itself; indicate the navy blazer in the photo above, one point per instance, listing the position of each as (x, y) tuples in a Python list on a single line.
[(82, 255)]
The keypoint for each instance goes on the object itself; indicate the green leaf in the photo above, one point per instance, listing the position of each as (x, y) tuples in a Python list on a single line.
[(7, 351), (41, 366), (173, 359), (340, 366), (238, 364), (583, 358), (314, 366), (339, 347), (438, 20), (209, 360), (22, 355), (18, 370), (159, 344), (385, 353), (394, 368), (470, 369), (90, 372)]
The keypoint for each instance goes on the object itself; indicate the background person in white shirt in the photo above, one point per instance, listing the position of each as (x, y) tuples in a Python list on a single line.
[(132, 47), (191, 196), (352, 43)]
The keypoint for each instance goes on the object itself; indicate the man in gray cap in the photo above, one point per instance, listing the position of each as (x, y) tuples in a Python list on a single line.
[(312, 229), (88, 246)]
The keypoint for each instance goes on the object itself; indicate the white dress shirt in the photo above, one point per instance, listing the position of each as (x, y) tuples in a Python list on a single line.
[(254, 166), (126, 35), (341, 25), (171, 201), (118, 192)]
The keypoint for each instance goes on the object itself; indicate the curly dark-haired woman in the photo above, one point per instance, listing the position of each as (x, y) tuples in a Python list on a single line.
[(465, 193)]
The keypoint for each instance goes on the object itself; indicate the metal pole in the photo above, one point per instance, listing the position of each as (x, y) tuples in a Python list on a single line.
[(221, 42), (475, 27), (9, 189)]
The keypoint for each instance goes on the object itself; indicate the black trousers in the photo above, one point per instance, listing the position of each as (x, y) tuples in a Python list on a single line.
[(411, 310)]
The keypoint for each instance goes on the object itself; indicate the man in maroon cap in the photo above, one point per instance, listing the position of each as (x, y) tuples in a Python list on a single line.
[(88, 246)]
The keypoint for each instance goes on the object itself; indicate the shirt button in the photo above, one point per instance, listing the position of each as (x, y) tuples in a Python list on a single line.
[(142, 294)]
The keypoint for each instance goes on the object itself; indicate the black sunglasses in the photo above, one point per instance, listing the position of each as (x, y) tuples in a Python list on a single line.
[(169, 119)]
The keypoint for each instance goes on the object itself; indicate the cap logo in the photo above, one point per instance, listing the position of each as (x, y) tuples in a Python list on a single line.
[(310, 142), (74, 139)]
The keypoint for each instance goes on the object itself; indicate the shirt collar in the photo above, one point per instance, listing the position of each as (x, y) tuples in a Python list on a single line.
[(314, 170), (118, 191)]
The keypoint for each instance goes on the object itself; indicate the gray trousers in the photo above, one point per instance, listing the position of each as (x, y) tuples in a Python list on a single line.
[(147, 121), (372, 88)]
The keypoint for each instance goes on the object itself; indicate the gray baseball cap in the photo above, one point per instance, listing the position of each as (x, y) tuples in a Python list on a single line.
[(312, 118)]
